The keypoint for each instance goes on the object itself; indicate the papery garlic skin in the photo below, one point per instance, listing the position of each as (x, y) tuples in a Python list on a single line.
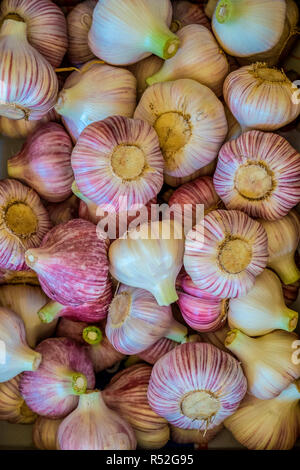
[(185, 13), (125, 32), (190, 123), (46, 26), (195, 436), (268, 424), (198, 58), (12, 405), (283, 239), (18, 356), (225, 255), (143, 69), (93, 426), (149, 258), (44, 433), (96, 93), (44, 163), (244, 28), (259, 173), (118, 158), (262, 310), (28, 85), (24, 222), (22, 128), (64, 211), (65, 372), (261, 98), (18, 277), (79, 21), (267, 361), (207, 170), (207, 387)]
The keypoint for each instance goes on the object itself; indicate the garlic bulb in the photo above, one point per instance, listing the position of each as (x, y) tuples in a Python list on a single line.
[(93, 426), (199, 58), (185, 13), (65, 373), (245, 28), (95, 93), (118, 158), (149, 261), (44, 434), (234, 129), (217, 338), (125, 32), (195, 436), (71, 263), (225, 255), (64, 211), (207, 387), (29, 84), (144, 69), (268, 424), (44, 163), (267, 361), (258, 173), (127, 395), (207, 170), (157, 350), (135, 321), (25, 301), (283, 238), (46, 26), (16, 356), (79, 21), (260, 97), (262, 310), (24, 222), (12, 405), (190, 123), (22, 128)]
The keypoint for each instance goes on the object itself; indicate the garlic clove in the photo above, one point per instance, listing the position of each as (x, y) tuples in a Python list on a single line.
[(44, 434), (79, 22), (12, 405)]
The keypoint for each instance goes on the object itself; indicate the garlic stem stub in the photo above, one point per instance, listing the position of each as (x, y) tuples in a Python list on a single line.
[(190, 122), (79, 21), (123, 32), (267, 361), (44, 433), (12, 405), (225, 256), (259, 173), (206, 388), (262, 310)]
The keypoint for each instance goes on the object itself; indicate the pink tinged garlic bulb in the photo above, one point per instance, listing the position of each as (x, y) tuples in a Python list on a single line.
[(135, 321), (22, 128), (28, 83), (194, 436), (283, 240), (260, 97), (79, 21), (17, 355), (127, 395), (196, 386), (185, 13), (267, 361), (125, 32), (224, 257), (268, 424), (207, 170), (64, 211), (199, 58), (44, 163), (117, 158), (262, 310), (46, 26), (157, 350), (259, 174), (190, 130), (44, 433), (93, 426), (71, 263), (95, 93), (66, 372), (150, 259), (12, 405), (24, 222), (143, 69)]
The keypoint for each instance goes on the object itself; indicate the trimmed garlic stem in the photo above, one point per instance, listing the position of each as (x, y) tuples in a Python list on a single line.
[(238, 341), (79, 383), (286, 268), (177, 332), (92, 335), (30, 359), (224, 11), (164, 44), (165, 292), (50, 311)]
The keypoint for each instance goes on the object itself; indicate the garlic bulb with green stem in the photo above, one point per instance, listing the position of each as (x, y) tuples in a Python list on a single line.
[(268, 424), (144, 69), (262, 310), (79, 21), (125, 32), (283, 238), (44, 433), (13, 407), (267, 361)]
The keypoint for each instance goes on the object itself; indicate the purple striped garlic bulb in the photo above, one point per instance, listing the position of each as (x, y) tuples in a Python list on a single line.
[(157, 350), (24, 222), (259, 173), (13, 407), (66, 371), (190, 130), (196, 386), (79, 22), (135, 321), (93, 426), (224, 256), (118, 158)]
